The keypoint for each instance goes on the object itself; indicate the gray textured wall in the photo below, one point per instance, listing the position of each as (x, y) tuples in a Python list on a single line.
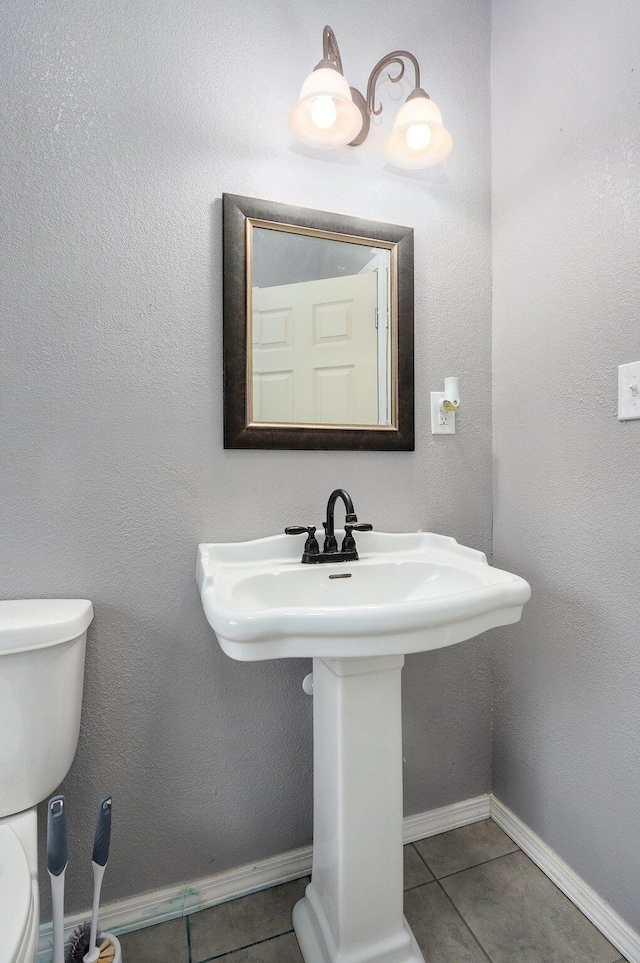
[(122, 124), (566, 218)]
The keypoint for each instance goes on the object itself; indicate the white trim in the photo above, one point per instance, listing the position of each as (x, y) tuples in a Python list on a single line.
[(437, 821), (594, 907), (247, 879), (175, 901), (161, 905), (123, 916)]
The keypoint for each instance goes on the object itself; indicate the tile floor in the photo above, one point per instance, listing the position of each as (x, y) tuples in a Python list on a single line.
[(471, 896)]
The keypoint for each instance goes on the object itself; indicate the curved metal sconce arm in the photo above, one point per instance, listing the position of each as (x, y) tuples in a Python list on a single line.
[(329, 113), (330, 48), (392, 58), (367, 105)]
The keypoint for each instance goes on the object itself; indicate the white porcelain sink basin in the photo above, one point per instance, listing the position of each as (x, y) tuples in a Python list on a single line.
[(406, 593), (357, 620)]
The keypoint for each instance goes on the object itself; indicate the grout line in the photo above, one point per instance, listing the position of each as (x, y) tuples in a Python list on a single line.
[(466, 925), (188, 924), (492, 859), (423, 860), (448, 898), (424, 882), (473, 865), (221, 956)]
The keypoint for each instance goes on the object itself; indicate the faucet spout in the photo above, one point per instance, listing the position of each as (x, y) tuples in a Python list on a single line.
[(330, 553), (330, 543)]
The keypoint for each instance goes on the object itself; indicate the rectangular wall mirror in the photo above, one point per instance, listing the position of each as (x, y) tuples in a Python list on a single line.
[(318, 329)]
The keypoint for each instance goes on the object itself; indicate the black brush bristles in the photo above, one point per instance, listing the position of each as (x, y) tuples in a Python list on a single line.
[(78, 944)]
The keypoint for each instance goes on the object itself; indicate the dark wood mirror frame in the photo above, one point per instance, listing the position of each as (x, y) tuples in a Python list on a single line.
[(238, 432)]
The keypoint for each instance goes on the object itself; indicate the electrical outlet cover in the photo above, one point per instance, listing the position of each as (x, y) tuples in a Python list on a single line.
[(449, 427)]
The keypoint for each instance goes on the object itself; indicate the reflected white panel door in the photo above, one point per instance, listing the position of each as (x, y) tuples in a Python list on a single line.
[(315, 352)]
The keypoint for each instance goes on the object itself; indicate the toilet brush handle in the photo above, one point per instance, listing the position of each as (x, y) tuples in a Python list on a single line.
[(93, 953), (102, 836), (101, 842), (56, 865), (57, 908)]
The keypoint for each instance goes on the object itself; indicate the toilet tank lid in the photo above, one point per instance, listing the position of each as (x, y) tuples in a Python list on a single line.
[(35, 623)]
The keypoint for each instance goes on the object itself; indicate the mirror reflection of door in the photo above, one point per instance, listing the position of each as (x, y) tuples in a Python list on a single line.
[(321, 341)]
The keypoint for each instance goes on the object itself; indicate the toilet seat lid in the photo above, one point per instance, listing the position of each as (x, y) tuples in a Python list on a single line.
[(15, 891)]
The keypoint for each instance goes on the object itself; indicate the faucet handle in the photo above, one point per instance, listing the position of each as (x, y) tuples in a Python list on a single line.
[(349, 542), (311, 546)]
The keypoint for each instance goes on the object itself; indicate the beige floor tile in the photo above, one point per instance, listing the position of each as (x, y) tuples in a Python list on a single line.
[(517, 913), (164, 943), (441, 934), (283, 949), (240, 922), (415, 872), (461, 848)]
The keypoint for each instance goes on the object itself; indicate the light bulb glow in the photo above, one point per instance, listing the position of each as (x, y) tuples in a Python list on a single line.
[(418, 136), (323, 112)]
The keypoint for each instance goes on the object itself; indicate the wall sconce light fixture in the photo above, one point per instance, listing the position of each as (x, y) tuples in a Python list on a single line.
[(330, 114)]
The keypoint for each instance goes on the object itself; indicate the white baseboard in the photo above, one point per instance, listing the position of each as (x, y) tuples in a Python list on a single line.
[(161, 905), (437, 821), (138, 912), (594, 907)]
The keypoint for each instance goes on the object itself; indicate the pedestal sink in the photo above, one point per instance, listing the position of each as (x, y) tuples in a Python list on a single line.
[(357, 621)]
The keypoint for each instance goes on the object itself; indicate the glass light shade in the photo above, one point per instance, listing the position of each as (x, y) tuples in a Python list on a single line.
[(418, 138), (325, 115)]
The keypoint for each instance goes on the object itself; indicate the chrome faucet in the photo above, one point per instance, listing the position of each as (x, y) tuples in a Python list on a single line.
[(330, 552)]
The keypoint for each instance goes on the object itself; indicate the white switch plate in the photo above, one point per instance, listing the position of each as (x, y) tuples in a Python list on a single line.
[(629, 391), (449, 427)]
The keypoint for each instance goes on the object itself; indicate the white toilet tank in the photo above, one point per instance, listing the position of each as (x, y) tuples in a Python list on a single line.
[(42, 648)]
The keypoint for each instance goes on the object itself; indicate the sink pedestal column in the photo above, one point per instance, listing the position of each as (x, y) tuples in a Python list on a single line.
[(352, 909)]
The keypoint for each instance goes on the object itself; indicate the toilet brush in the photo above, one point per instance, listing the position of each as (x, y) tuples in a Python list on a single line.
[(85, 946), (57, 864)]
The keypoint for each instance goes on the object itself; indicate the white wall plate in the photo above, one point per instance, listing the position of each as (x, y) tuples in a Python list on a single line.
[(449, 427), (629, 391)]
